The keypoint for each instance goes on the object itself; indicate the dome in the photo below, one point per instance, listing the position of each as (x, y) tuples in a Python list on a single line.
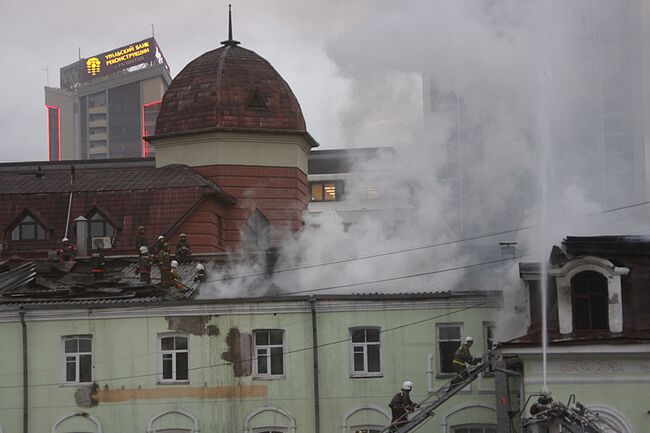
[(229, 88)]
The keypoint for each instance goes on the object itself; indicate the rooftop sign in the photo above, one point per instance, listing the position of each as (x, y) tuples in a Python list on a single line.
[(109, 62)]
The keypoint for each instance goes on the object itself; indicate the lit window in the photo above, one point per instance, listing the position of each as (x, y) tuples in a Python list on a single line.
[(28, 230), (365, 352), (78, 359), (99, 227), (173, 358), (448, 342), (269, 353), (326, 191)]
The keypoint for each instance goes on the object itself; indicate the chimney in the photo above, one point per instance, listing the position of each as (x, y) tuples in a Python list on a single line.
[(82, 236)]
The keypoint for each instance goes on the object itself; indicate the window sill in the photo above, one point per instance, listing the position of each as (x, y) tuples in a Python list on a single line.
[(74, 384), (173, 382), (365, 375), (276, 377)]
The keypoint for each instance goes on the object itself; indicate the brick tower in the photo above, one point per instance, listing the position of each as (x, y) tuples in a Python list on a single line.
[(233, 118)]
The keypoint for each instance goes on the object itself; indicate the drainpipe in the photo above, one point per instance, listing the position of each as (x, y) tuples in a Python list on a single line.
[(67, 220), (312, 304), (25, 376)]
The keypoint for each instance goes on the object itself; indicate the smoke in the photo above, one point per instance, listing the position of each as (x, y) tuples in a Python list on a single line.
[(487, 109)]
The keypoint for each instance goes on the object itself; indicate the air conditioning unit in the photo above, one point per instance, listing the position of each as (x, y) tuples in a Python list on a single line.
[(103, 242)]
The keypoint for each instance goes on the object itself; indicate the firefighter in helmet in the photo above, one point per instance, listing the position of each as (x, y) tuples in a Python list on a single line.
[(400, 405), (462, 360)]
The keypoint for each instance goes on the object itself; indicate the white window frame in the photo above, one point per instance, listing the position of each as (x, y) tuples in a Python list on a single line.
[(439, 372), (173, 352), (364, 346), (267, 348), (76, 355)]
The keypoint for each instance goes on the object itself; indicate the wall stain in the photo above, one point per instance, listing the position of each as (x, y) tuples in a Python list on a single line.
[(119, 395), (239, 352), (197, 325)]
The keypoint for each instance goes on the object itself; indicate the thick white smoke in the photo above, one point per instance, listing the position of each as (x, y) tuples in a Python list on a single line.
[(480, 102)]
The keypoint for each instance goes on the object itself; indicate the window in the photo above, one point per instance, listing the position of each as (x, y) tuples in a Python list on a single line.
[(28, 230), (448, 342), (365, 352), (269, 353), (257, 231), (364, 429), (488, 339), (99, 227), (475, 428), (589, 301), (174, 358), (78, 359), (149, 116), (219, 230), (326, 191)]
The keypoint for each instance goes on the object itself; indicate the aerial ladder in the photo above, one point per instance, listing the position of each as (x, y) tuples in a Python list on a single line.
[(425, 409)]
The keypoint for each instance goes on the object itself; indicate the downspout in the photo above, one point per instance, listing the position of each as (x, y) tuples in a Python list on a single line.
[(312, 304), (67, 220), (25, 376)]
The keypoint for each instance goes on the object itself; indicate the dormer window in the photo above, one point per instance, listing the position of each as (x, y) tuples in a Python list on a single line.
[(28, 229), (99, 226), (257, 231), (256, 101)]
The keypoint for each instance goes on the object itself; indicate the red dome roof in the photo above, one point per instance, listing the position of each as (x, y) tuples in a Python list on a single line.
[(229, 88)]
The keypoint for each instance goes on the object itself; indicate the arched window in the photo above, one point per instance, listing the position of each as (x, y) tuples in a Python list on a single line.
[(28, 229), (589, 301)]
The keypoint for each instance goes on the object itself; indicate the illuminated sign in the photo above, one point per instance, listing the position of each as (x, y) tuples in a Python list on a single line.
[(109, 62)]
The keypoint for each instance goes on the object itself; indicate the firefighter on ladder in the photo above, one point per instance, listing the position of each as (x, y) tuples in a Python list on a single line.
[(400, 405), (462, 358)]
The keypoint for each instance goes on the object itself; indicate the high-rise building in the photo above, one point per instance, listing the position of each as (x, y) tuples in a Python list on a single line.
[(107, 103)]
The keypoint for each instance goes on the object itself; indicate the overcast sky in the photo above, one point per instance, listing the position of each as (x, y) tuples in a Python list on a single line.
[(299, 38)]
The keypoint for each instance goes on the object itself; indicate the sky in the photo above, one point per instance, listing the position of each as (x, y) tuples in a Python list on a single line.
[(298, 38)]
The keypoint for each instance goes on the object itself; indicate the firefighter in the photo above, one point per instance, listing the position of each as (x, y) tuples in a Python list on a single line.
[(183, 251), (164, 263), (543, 403), (400, 405), (175, 277), (144, 265), (463, 358), (97, 262), (157, 248), (200, 272), (66, 251), (140, 239)]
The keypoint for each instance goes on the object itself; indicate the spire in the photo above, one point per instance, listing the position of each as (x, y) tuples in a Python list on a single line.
[(230, 40)]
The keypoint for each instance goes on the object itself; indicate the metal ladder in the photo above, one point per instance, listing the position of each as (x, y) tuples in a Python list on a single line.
[(437, 398)]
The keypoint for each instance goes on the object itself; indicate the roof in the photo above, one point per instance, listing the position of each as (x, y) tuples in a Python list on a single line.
[(128, 196), (127, 178), (229, 88), (587, 245), (556, 339)]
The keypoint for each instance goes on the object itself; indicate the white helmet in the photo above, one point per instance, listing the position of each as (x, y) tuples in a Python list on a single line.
[(174, 264), (469, 339), (144, 250), (161, 237), (65, 240), (200, 267), (407, 385)]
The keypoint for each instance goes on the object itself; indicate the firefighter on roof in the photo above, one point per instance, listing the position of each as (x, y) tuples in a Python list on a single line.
[(165, 264), (144, 265), (158, 246), (183, 251), (140, 239), (66, 251)]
